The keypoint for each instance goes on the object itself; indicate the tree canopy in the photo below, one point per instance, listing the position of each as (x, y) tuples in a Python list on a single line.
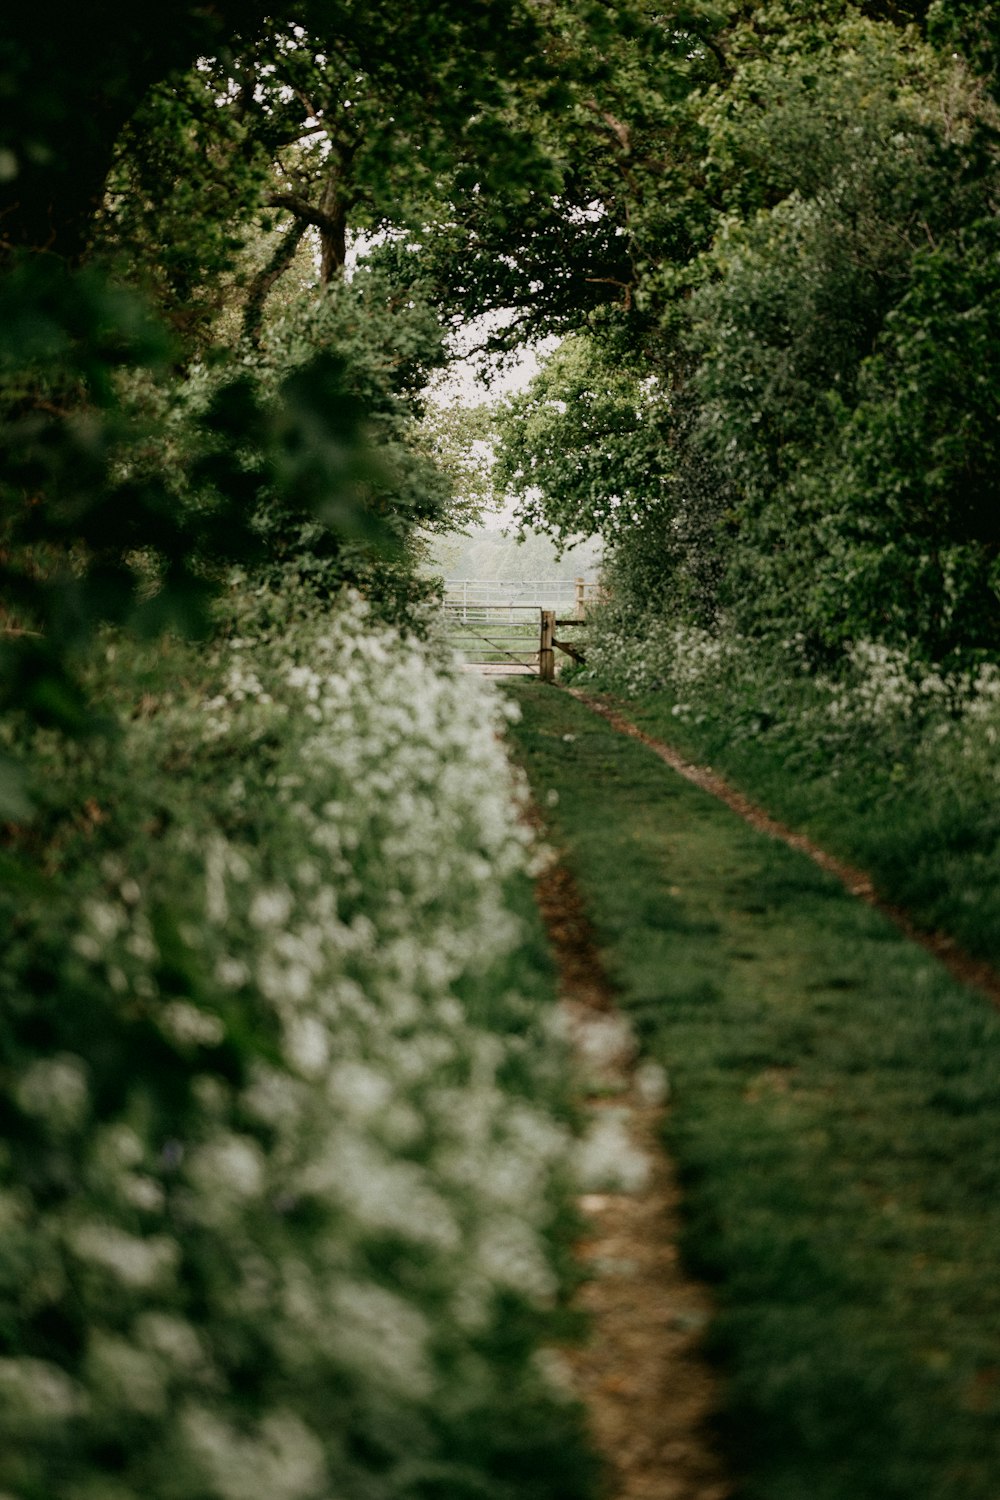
[(766, 231), (803, 221)]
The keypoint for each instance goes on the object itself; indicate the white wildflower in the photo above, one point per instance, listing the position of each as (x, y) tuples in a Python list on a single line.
[(280, 1459), (106, 919), (175, 1341), (271, 907), (35, 1391), (232, 1166), (511, 1255), (143, 1193), (307, 1045), (140, 1263), (55, 1090), (385, 1336), (125, 1378), (188, 1026), (607, 1160), (231, 973)]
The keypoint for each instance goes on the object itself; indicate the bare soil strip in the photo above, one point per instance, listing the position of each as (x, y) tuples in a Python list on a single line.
[(647, 1389), (971, 971)]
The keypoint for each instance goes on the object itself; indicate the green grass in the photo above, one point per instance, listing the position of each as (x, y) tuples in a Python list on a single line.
[(926, 827), (836, 1120)]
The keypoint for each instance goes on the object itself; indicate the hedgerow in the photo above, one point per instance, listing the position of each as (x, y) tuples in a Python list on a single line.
[(286, 1149)]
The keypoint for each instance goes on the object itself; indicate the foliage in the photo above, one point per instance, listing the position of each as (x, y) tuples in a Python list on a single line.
[(597, 448), (72, 91), (96, 528), (311, 132), (180, 155), (384, 347), (768, 386), (286, 1149), (799, 322), (970, 27), (460, 437), (580, 447), (578, 246), (921, 448)]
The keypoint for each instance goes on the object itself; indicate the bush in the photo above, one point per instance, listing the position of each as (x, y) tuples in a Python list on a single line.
[(285, 1167)]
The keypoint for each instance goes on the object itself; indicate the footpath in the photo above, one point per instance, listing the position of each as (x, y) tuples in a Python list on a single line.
[(833, 1128)]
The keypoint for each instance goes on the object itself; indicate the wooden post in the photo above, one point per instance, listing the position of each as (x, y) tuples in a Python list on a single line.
[(579, 592), (546, 650)]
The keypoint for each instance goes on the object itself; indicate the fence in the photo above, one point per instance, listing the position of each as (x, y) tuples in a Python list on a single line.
[(513, 638), (494, 635), (540, 593)]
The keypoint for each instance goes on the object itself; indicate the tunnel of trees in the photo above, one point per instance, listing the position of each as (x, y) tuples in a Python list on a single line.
[(760, 238)]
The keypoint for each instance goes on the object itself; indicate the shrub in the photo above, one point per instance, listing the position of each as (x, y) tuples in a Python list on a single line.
[(285, 1159)]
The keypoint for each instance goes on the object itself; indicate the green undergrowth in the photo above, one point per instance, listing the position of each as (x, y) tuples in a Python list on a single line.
[(286, 1172), (931, 840), (835, 1117)]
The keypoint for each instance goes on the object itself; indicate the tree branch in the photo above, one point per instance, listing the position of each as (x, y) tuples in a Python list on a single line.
[(303, 210), (260, 286), (618, 128)]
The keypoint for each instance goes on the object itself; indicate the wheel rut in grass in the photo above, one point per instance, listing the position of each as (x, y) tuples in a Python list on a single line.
[(835, 1113), (971, 971), (648, 1391)]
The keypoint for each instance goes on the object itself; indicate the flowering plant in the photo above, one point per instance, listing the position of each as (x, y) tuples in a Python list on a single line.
[(286, 1159)]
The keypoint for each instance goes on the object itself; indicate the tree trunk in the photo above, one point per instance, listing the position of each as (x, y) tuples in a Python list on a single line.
[(333, 233)]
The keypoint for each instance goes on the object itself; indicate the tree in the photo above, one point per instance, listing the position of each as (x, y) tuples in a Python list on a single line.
[(830, 160), (597, 449), (92, 528)]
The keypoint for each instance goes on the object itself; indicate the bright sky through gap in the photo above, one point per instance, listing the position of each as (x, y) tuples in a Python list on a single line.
[(474, 378)]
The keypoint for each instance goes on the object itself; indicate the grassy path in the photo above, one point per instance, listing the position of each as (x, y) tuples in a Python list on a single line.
[(836, 1119), (976, 972), (647, 1389)]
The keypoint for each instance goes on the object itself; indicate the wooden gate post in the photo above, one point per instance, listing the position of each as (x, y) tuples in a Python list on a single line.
[(546, 649), (578, 589)]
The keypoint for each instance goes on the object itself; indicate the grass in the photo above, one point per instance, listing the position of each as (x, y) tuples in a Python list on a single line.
[(926, 826), (836, 1120)]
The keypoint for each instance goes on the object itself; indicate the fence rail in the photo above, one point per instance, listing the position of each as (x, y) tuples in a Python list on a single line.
[(494, 634), (538, 593), (514, 637)]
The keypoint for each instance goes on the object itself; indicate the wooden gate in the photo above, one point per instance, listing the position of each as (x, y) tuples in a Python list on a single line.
[(509, 639), (503, 638)]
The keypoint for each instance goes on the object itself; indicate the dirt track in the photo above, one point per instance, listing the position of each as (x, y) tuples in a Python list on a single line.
[(648, 1391)]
